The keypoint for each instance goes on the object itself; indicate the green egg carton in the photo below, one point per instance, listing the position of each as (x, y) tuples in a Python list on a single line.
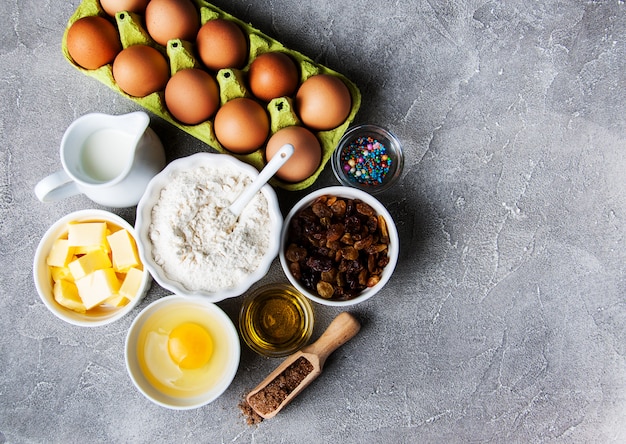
[(180, 55)]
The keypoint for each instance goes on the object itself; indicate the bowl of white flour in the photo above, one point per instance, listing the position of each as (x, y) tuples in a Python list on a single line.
[(181, 241)]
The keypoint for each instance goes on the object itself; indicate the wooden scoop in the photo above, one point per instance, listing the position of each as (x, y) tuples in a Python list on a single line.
[(341, 330)]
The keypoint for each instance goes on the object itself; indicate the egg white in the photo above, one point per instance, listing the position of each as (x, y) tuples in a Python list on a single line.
[(161, 370), (158, 360)]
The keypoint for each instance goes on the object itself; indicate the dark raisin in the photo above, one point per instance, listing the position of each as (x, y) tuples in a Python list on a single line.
[(321, 210), (319, 263), (349, 207), (372, 224), (309, 278), (353, 224), (383, 261)]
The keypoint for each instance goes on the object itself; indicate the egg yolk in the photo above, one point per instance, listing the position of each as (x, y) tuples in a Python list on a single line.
[(190, 345)]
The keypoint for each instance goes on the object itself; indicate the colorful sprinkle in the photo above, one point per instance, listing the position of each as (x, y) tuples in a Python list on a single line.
[(365, 160)]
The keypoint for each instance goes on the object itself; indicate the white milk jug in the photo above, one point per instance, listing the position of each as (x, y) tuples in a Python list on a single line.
[(110, 159)]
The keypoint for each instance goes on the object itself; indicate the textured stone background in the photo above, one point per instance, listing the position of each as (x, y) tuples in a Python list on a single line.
[(506, 318)]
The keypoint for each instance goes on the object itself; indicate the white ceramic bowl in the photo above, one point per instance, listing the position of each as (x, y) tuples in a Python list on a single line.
[(393, 248), (43, 281), (227, 350), (151, 197)]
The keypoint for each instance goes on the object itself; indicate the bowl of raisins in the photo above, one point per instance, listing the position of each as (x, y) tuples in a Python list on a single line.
[(339, 246)]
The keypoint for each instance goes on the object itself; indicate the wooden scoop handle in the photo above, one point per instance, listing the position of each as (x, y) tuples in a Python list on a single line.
[(343, 328)]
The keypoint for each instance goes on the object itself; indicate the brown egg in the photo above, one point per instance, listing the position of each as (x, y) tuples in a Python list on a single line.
[(273, 74), (93, 42), (323, 102), (222, 44), (192, 96), (241, 125), (306, 157), (112, 7), (172, 19), (140, 70)]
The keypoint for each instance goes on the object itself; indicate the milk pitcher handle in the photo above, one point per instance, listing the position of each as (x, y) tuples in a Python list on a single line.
[(56, 186)]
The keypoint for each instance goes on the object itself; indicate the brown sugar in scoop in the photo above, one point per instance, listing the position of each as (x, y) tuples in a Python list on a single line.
[(300, 369)]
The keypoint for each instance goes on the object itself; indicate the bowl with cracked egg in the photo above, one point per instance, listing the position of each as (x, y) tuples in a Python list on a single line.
[(87, 269), (182, 353), (182, 240), (339, 246)]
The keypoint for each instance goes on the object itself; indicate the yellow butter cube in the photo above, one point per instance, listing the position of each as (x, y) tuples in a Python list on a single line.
[(117, 301), (61, 253), (61, 273), (132, 283), (88, 249), (66, 294), (123, 251), (84, 265), (97, 287), (87, 234)]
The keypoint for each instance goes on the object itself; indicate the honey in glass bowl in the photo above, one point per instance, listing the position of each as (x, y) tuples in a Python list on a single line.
[(276, 320)]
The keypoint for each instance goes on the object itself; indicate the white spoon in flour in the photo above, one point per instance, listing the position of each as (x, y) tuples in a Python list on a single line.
[(229, 215)]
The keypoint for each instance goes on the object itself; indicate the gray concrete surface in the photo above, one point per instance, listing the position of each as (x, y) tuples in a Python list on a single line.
[(506, 318)]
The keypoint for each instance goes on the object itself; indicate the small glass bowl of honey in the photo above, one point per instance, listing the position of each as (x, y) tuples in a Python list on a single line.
[(276, 320)]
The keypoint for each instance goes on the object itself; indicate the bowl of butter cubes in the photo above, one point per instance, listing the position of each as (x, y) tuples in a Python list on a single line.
[(87, 268)]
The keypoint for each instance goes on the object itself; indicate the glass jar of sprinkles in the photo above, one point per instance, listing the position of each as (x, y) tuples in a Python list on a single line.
[(368, 157)]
